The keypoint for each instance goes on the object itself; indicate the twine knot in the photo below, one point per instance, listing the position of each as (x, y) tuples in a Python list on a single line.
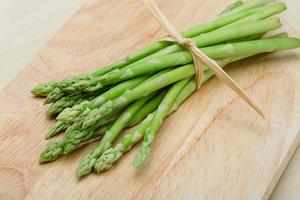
[(186, 42)]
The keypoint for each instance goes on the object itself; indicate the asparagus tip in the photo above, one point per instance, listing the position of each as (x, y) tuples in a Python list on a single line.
[(55, 129), (42, 90), (141, 157), (52, 152), (106, 160), (85, 166)]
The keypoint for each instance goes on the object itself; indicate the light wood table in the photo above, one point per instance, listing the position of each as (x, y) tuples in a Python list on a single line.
[(28, 25)]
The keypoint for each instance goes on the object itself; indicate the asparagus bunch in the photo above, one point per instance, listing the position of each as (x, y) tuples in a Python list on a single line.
[(142, 89)]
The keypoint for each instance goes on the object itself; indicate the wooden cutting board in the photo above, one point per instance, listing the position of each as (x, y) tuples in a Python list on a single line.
[(213, 147)]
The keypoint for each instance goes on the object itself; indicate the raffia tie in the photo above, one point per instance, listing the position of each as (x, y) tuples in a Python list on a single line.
[(198, 56)]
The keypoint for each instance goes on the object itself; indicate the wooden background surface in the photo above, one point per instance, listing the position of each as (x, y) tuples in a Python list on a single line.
[(207, 149)]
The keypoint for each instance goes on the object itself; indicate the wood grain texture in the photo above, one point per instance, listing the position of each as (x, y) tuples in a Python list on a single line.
[(213, 147)]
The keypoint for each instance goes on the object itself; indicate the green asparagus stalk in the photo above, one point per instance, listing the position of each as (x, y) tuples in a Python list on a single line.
[(237, 31), (256, 37), (56, 148), (159, 116), (56, 128), (43, 89), (88, 162), (111, 155), (52, 152), (63, 103), (252, 47), (261, 13), (68, 101)]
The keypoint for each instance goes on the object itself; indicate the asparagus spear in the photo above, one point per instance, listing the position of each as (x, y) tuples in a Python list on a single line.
[(68, 101), (43, 89), (52, 152), (56, 128), (261, 13), (253, 47), (63, 103), (56, 148), (88, 162), (161, 113)]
